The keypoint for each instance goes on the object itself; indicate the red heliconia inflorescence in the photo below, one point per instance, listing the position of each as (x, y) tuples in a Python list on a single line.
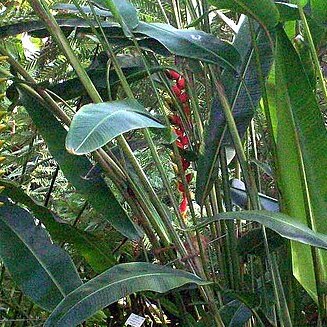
[(182, 142)]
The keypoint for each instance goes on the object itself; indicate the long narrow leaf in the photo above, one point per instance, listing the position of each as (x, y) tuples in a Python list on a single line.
[(284, 225), (192, 44), (114, 284), (302, 153)]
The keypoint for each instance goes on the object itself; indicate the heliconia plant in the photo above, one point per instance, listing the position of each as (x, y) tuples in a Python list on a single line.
[(158, 169)]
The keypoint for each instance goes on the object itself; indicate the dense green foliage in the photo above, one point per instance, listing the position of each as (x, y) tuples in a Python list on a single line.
[(165, 158)]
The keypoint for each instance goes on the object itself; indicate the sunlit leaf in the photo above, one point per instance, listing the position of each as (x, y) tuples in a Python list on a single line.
[(94, 125)]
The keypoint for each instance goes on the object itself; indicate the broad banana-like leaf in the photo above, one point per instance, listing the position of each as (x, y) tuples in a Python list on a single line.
[(93, 189), (95, 250), (192, 44), (43, 271), (73, 88), (263, 11), (282, 224), (240, 197), (94, 125), (114, 284), (301, 139), (162, 39)]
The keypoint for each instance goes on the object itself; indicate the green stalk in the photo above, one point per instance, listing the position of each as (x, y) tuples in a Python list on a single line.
[(250, 185), (58, 35), (232, 253)]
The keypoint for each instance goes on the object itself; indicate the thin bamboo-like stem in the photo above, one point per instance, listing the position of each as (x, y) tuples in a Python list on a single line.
[(250, 185)]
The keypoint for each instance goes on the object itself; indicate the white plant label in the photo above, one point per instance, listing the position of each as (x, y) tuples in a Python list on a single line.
[(135, 320)]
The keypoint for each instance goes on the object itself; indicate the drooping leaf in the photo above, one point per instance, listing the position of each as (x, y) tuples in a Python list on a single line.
[(263, 11), (282, 224), (37, 28), (115, 284), (240, 198), (73, 88), (94, 125), (42, 270), (162, 39), (250, 301), (75, 168), (95, 251), (244, 92), (235, 313), (192, 44)]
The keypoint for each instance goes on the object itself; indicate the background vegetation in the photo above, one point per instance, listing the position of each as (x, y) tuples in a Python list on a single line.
[(165, 158)]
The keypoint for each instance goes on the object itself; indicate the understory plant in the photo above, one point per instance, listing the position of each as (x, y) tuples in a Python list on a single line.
[(164, 158)]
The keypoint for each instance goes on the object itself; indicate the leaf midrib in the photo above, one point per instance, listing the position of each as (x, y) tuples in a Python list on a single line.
[(102, 121), (112, 284), (36, 257), (192, 43)]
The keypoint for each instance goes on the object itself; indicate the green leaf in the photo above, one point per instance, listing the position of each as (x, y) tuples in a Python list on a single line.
[(319, 11), (302, 153), (94, 125), (244, 92), (263, 11), (192, 44), (93, 189), (123, 11), (42, 270), (287, 11), (37, 28), (73, 88), (114, 284), (240, 197), (282, 224), (248, 300), (235, 314), (95, 251)]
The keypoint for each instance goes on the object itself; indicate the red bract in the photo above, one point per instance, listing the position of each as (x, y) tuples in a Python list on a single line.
[(187, 110), (183, 97), (189, 177), (172, 74), (183, 205), (184, 140), (175, 120), (179, 132), (180, 187), (179, 144), (176, 90), (185, 164), (181, 83)]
